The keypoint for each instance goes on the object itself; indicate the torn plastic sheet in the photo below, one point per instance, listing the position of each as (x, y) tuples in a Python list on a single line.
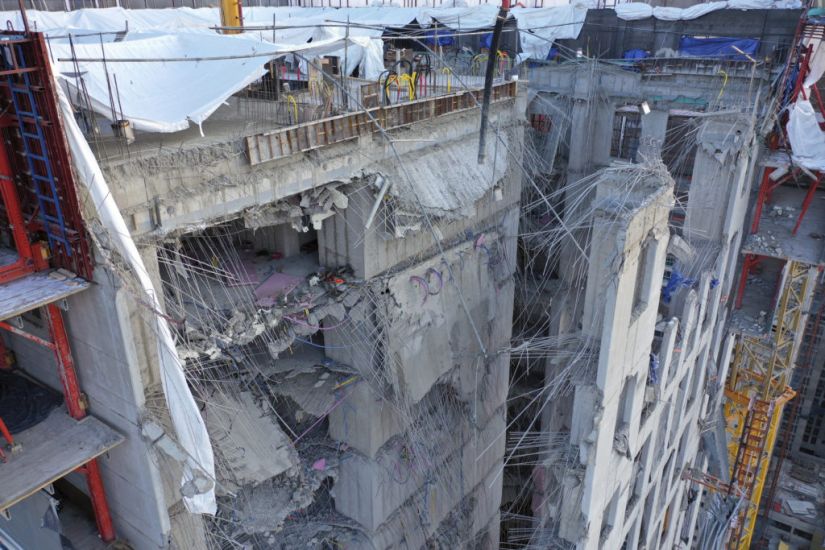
[(541, 27), (806, 137), (210, 67), (199, 468), (466, 19)]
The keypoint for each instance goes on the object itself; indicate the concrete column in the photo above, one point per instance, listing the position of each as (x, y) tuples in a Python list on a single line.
[(654, 127), (284, 239), (580, 158)]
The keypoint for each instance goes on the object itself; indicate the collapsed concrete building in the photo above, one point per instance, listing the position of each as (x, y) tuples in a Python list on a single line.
[(316, 318)]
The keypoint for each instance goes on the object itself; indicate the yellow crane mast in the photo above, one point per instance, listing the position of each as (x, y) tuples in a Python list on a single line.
[(756, 393)]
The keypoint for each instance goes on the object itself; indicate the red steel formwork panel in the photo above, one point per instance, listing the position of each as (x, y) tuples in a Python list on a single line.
[(37, 148), (40, 211)]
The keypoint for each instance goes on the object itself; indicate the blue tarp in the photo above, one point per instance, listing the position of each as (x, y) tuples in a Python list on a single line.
[(487, 40), (719, 47), (635, 54), (653, 370), (445, 38), (676, 281)]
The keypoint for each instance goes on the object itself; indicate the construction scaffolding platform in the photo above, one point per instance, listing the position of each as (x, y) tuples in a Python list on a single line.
[(50, 450), (37, 290), (775, 235), (755, 315)]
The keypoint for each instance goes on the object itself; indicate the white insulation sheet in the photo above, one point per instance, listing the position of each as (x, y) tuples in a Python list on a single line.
[(164, 81), (186, 418)]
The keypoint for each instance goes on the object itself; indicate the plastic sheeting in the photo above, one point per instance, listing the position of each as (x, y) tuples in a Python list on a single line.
[(633, 11), (726, 48), (466, 19), (674, 283), (544, 26), (378, 18), (653, 369), (159, 65), (683, 14), (199, 468), (115, 19), (635, 54), (150, 92), (156, 67), (806, 137), (817, 66)]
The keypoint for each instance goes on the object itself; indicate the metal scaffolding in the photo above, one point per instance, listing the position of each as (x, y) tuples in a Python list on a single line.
[(41, 214)]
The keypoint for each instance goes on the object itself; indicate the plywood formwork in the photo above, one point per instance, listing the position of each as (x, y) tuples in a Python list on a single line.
[(313, 135)]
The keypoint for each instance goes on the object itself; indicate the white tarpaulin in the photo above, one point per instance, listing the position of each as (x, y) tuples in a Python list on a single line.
[(116, 19), (199, 469), (164, 96), (166, 81), (807, 139), (467, 19), (684, 14), (542, 26), (373, 21), (750, 4), (698, 10), (361, 52), (633, 11), (299, 31)]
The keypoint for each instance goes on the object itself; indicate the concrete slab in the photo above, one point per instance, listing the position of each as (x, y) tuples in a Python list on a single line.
[(756, 313), (779, 217)]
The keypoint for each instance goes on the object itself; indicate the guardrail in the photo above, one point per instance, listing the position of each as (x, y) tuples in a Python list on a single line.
[(288, 141)]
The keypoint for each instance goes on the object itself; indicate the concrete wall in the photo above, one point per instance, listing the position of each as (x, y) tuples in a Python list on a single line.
[(431, 341), (625, 331)]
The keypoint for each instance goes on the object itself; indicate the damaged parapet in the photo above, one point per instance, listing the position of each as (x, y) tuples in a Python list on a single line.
[(626, 250)]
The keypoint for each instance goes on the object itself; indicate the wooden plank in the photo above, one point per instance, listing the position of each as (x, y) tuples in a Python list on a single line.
[(283, 145), (252, 150), (51, 450), (37, 290), (269, 151)]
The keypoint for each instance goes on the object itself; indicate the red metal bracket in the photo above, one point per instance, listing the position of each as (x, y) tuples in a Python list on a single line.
[(748, 263), (8, 193), (761, 198), (4, 431), (77, 409), (809, 197)]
